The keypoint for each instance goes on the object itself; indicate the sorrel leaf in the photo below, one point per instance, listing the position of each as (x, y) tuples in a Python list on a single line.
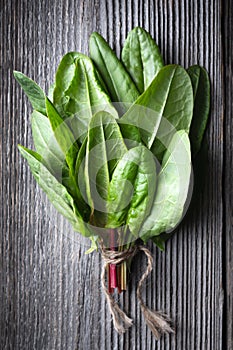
[(119, 83), (141, 57), (105, 146), (70, 149), (46, 144), (131, 190), (173, 185), (63, 135), (78, 93), (34, 93), (201, 91), (56, 192), (165, 106)]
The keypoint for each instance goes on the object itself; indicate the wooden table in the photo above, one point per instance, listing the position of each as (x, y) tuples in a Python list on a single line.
[(51, 296)]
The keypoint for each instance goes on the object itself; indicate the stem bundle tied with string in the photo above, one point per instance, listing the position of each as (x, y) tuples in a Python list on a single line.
[(158, 323), (113, 152)]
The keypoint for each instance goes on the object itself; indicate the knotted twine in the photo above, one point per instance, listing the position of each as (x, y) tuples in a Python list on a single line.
[(158, 322)]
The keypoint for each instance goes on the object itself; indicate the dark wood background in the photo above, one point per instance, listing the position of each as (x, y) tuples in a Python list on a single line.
[(51, 296)]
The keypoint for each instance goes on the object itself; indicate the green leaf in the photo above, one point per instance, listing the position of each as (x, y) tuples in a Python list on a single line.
[(130, 133), (70, 149), (80, 169), (46, 145), (50, 92), (94, 245), (56, 192), (172, 190), (141, 57), (119, 83), (165, 107), (131, 190), (105, 147), (159, 242), (201, 91), (63, 134), (78, 93), (33, 91), (144, 190)]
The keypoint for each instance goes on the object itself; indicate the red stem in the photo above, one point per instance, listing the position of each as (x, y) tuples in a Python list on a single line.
[(110, 289), (112, 267)]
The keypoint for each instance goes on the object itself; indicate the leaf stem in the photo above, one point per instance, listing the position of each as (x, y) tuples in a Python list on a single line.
[(112, 267)]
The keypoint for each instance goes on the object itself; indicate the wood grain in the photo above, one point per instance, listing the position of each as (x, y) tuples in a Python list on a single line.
[(50, 290), (228, 170)]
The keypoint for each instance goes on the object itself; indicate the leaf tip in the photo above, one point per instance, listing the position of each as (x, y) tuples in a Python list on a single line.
[(15, 72), (20, 147), (17, 75)]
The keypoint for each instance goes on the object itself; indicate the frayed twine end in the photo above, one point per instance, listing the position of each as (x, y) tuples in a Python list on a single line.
[(158, 322)]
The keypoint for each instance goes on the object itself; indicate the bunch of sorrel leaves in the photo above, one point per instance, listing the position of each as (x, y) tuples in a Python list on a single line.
[(113, 139)]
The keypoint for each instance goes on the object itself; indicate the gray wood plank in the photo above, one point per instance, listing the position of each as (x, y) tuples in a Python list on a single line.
[(228, 170), (50, 291)]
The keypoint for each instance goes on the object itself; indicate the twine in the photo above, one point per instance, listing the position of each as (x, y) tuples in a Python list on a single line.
[(158, 322)]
